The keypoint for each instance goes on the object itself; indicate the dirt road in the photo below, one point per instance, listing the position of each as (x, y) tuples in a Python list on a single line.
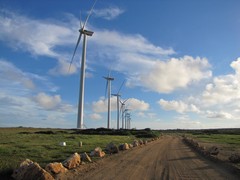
[(166, 158)]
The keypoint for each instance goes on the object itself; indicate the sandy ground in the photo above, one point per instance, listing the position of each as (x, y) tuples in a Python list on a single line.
[(166, 158)]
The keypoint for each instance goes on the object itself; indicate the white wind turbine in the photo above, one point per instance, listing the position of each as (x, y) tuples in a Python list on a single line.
[(123, 110), (118, 101), (85, 33), (108, 88)]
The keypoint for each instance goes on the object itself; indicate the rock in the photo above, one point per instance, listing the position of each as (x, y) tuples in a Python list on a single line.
[(31, 171), (145, 141), (73, 161), (130, 146), (213, 150), (112, 148), (234, 158), (55, 168), (140, 142), (135, 143), (85, 157), (120, 147), (125, 146), (97, 152)]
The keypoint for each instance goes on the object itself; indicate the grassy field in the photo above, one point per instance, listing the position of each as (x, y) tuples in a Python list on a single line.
[(42, 145), (225, 139)]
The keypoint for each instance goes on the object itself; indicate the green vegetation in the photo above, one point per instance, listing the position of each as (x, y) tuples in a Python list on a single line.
[(42, 145)]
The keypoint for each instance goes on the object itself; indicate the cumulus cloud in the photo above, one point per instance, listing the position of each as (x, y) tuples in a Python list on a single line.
[(223, 89), (47, 101), (147, 65), (219, 115), (173, 74), (63, 68), (178, 106), (95, 116), (219, 99), (108, 13), (51, 102), (137, 105)]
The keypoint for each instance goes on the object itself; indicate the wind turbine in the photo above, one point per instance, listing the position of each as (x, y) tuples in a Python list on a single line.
[(127, 119), (127, 116), (108, 88), (85, 33), (118, 99), (123, 110)]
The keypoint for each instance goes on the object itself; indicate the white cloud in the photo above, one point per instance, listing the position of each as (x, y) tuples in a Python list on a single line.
[(108, 13), (173, 74), (52, 102), (224, 89), (145, 64), (219, 99), (178, 106), (63, 68), (47, 102), (95, 116), (34, 36), (219, 115), (137, 105)]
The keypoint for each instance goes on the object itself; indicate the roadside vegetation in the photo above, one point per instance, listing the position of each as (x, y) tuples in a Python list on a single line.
[(43, 145)]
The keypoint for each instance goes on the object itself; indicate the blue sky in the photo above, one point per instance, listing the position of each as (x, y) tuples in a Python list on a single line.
[(180, 61)]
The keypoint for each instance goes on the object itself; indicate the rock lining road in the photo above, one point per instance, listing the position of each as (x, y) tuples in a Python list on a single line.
[(166, 158)]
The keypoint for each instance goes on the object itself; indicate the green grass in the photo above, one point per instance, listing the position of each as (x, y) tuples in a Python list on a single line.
[(230, 139), (17, 144)]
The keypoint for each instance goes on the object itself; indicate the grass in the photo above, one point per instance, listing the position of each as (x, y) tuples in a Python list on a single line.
[(227, 139), (17, 144)]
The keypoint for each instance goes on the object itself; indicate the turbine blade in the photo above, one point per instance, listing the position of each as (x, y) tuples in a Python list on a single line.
[(79, 38), (121, 87), (126, 100), (85, 23), (109, 72), (120, 101), (81, 26)]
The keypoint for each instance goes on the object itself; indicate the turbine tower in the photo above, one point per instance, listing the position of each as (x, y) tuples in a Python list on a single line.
[(118, 101), (108, 88), (85, 33)]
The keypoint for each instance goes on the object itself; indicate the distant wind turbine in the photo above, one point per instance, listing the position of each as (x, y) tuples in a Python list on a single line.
[(108, 89), (118, 101), (85, 33), (123, 110)]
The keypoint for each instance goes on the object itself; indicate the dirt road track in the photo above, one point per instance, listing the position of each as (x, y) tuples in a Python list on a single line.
[(167, 158)]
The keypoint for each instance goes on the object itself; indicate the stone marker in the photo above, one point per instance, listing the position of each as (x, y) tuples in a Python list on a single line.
[(31, 170), (55, 168), (112, 148), (73, 161), (85, 157), (125, 146), (140, 141), (135, 143)]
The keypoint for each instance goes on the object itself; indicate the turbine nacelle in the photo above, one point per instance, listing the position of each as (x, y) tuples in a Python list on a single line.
[(118, 95), (109, 78), (86, 32)]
